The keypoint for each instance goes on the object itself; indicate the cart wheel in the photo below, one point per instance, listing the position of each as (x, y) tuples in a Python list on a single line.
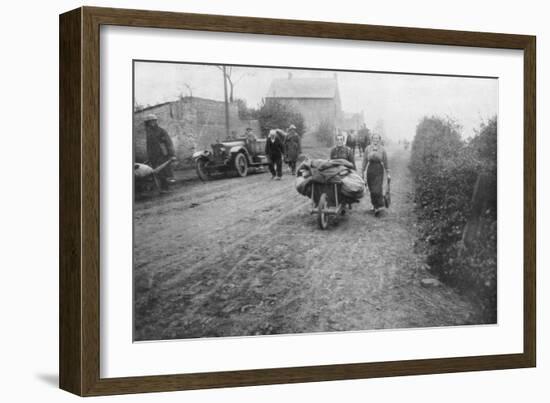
[(322, 216)]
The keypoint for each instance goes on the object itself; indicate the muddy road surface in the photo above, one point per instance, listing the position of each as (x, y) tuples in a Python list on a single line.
[(243, 256)]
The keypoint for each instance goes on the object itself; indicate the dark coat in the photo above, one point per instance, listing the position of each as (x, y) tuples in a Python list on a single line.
[(159, 145), (350, 141), (344, 153), (274, 149), (363, 137), (293, 147)]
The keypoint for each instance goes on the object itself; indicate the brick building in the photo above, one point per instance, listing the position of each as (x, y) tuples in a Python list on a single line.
[(317, 99)]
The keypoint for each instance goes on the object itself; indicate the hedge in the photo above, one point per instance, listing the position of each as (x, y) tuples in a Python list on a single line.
[(445, 169)]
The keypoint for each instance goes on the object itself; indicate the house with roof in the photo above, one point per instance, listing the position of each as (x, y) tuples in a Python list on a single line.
[(317, 99)]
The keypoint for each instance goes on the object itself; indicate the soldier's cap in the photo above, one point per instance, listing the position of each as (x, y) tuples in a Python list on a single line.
[(150, 116), (248, 128), (291, 127)]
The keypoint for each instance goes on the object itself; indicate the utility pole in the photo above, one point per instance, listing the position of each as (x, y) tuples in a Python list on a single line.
[(226, 103)]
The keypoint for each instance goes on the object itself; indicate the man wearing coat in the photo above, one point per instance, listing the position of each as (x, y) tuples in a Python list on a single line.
[(293, 148), (160, 149), (274, 150)]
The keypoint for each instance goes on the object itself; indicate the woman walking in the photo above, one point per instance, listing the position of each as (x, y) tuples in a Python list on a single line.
[(375, 163)]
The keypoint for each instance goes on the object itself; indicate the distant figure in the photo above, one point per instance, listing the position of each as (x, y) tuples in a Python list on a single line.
[(340, 151), (250, 140), (293, 148), (249, 134), (160, 149), (274, 150), (351, 141), (375, 163), (363, 139), (343, 133)]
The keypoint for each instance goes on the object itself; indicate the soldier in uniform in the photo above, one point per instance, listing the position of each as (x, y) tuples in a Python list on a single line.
[(160, 149), (340, 151), (293, 148)]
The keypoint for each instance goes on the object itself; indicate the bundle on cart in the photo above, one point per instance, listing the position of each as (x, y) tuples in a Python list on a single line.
[(336, 171)]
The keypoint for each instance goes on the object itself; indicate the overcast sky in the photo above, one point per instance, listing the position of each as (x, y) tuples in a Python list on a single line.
[(398, 100)]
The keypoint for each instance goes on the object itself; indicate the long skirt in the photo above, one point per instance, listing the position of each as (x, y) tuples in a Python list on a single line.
[(375, 180)]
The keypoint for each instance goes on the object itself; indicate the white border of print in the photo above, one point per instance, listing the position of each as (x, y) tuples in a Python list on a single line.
[(120, 357)]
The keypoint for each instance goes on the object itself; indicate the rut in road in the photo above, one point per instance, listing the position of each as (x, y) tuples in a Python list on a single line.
[(272, 271)]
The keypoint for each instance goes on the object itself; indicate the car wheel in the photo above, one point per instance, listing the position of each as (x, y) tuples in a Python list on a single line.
[(202, 171), (241, 164)]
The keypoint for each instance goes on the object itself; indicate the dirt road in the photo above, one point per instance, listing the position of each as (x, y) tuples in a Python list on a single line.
[(243, 256)]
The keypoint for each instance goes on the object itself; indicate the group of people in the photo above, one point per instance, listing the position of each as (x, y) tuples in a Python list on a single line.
[(357, 139), (406, 143), (280, 145), (374, 166)]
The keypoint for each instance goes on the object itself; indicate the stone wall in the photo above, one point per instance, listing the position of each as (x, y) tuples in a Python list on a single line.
[(192, 123)]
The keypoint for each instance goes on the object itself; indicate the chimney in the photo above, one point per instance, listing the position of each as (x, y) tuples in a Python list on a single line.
[(290, 75)]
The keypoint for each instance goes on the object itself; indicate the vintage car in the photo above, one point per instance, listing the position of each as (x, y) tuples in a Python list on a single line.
[(235, 155)]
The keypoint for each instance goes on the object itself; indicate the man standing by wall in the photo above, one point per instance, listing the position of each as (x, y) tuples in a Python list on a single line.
[(160, 149)]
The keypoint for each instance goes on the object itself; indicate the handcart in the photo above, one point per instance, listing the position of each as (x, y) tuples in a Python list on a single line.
[(327, 201)]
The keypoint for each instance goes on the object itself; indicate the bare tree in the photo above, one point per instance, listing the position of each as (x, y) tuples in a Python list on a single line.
[(138, 106), (189, 88), (189, 92), (233, 77)]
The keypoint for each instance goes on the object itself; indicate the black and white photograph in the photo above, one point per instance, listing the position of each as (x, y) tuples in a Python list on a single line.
[(276, 200)]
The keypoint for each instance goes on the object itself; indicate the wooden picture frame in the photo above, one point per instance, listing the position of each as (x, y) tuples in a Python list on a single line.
[(79, 346)]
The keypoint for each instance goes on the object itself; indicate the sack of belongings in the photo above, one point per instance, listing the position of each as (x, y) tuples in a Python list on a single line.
[(353, 186), (330, 171), (303, 185), (142, 171)]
